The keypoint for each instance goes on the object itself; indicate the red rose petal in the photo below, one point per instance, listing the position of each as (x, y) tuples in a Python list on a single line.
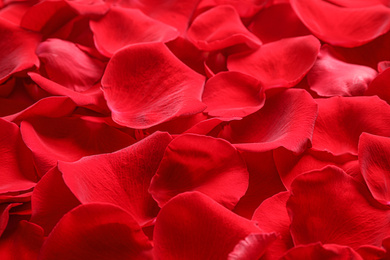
[(332, 77), (17, 49), (67, 65), (51, 193), (282, 63), (286, 120), (120, 178), (219, 28), (380, 86), (323, 252), (69, 139), (233, 95), (4, 215), (359, 3), (245, 9), (252, 247), (193, 226), (331, 207), (374, 159), (200, 163), (141, 95), (96, 231), (341, 120), (348, 27), (109, 31)]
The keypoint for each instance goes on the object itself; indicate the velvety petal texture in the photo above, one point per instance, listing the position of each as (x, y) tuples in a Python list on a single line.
[(219, 28), (141, 95), (122, 26), (104, 231), (276, 124), (200, 163), (374, 159), (121, 178), (193, 226), (269, 64), (348, 27)]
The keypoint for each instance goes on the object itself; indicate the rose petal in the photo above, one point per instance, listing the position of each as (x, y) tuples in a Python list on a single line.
[(282, 63), (96, 231), (331, 207), (380, 86), (200, 163), (332, 77), (245, 9), (286, 120), (4, 215), (120, 178), (219, 28), (252, 247), (348, 27), (141, 95), (193, 226), (109, 36)]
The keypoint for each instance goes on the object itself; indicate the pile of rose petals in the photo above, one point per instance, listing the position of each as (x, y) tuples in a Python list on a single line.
[(197, 129)]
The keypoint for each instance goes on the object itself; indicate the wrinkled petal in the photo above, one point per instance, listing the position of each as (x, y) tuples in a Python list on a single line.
[(282, 63), (121, 27), (286, 120), (120, 178), (219, 28), (200, 163), (332, 77), (193, 226), (139, 100), (233, 95), (96, 231), (329, 206), (348, 27)]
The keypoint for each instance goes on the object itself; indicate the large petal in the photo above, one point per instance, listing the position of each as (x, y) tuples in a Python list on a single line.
[(286, 120), (348, 27), (281, 63), (96, 231), (205, 164), (193, 226), (120, 178), (145, 84)]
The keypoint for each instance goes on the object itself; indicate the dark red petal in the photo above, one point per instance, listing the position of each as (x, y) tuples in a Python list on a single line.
[(51, 199), (276, 22), (331, 207), (368, 252), (323, 252), (282, 63), (233, 95), (374, 159), (380, 86), (96, 231), (252, 247), (272, 216), (141, 95), (286, 120), (332, 77), (219, 28), (17, 49), (23, 244), (69, 139), (109, 31), (67, 65), (120, 178), (341, 120), (200, 163), (4, 215), (193, 226), (348, 27)]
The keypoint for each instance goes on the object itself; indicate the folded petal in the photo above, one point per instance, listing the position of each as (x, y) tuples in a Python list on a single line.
[(194, 226), (252, 247), (348, 27), (145, 85), (96, 231), (245, 9), (282, 63), (200, 163), (219, 28), (109, 31), (121, 178), (332, 77), (286, 120), (329, 206)]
